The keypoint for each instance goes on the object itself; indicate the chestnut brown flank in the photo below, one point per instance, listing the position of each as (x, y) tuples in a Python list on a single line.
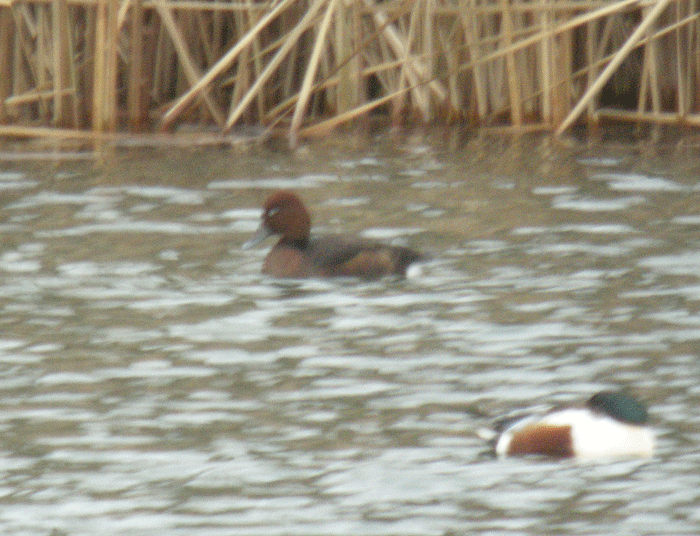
[(371, 264), (285, 261), (543, 439)]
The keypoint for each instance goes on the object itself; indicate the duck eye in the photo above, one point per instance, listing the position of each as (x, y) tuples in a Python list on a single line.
[(272, 211)]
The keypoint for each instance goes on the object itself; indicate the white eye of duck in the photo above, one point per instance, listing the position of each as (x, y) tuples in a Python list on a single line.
[(272, 211)]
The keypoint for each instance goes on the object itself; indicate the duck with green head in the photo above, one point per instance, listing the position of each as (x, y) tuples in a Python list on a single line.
[(613, 424)]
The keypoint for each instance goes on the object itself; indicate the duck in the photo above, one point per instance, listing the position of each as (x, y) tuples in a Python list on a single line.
[(298, 254), (612, 424)]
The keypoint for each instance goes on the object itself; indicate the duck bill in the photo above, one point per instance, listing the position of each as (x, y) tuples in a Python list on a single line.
[(261, 234)]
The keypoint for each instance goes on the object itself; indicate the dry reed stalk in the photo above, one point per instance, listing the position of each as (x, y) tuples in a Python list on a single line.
[(294, 57), (329, 124), (188, 65), (206, 36), (105, 71), (522, 129), (562, 8), (427, 36), (545, 55), (516, 54), (649, 80), (135, 94), (601, 59), (256, 48), (240, 6), (651, 53), (19, 131), (683, 71), (341, 43), (100, 69), (160, 57), (631, 42), (415, 72), (556, 30), (666, 118), (412, 40), (291, 40), (43, 57), (285, 107), (6, 64), (224, 63), (112, 61), (564, 90), (311, 69), (512, 74), (112, 64), (680, 74), (287, 78), (693, 58), (445, 39), (473, 45), (591, 59), (23, 61), (36, 96), (347, 33), (605, 37), (27, 20), (241, 79), (62, 54), (122, 13)]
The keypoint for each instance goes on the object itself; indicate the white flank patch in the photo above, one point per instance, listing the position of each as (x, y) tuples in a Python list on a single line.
[(594, 435)]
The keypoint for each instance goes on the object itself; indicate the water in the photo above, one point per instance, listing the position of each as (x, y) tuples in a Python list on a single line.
[(153, 382)]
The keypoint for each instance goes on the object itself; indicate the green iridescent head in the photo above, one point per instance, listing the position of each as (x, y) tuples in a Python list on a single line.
[(620, 406)]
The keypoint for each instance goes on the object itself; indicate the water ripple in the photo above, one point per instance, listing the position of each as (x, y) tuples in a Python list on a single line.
[(153, 381)]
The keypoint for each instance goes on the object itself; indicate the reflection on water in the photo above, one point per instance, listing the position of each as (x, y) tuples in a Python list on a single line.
[(153, 382)]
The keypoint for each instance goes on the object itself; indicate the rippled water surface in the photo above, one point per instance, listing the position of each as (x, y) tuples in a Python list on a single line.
[(153, 382)]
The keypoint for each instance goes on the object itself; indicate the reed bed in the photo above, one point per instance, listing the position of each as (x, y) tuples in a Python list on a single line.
[(305, 66)]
